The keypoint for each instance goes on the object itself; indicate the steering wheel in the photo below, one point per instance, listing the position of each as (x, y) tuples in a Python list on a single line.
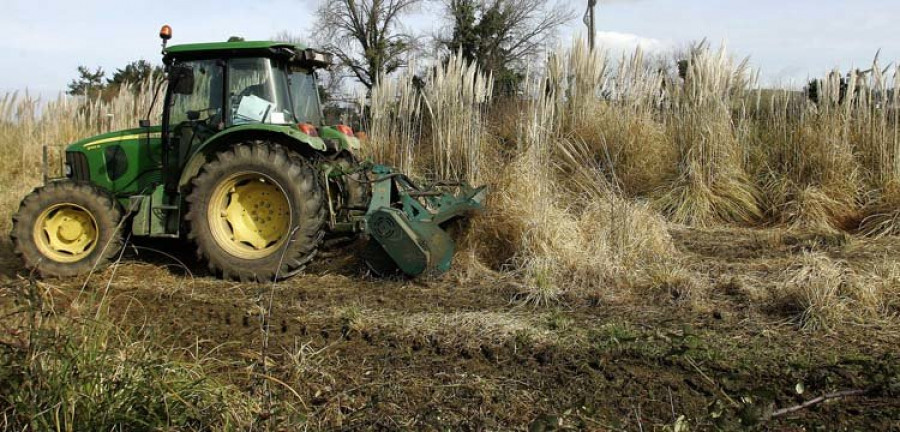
[(194, 115), (208, 123)]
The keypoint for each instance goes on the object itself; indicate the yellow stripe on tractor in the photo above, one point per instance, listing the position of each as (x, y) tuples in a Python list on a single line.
[(95, 144)]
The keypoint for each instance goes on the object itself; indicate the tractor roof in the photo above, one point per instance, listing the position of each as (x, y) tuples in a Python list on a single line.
[(229, 49)]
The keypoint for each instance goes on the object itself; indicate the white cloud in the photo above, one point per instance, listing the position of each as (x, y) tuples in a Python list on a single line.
[(617, 43)]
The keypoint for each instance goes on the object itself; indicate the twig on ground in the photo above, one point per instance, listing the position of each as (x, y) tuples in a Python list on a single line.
[(672, 404), (815, 401), (713, 383), (637, 416)]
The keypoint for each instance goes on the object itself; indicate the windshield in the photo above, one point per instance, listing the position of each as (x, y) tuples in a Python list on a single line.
[(305, 94), (258, 91)]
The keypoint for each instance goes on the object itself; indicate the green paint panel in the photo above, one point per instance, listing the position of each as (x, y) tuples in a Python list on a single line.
[(125, 162), (164, 218), (416, 247)]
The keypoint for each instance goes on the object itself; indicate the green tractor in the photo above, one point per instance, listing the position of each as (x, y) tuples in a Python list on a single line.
[(244, 167)]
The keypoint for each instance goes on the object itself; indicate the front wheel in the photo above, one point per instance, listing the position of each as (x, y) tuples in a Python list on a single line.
[(67, 229), (256, 212)]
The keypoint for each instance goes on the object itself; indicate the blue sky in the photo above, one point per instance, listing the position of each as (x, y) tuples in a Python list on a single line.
[(45, 41)]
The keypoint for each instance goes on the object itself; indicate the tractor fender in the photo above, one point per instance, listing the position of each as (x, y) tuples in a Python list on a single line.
[(288, 136), (348, 143)]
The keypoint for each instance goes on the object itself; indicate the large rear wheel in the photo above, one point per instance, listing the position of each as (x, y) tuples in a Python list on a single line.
[(67, 229), (256, 212)]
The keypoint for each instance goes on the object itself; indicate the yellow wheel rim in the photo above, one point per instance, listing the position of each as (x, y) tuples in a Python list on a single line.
[(66, 233), (249, 215)]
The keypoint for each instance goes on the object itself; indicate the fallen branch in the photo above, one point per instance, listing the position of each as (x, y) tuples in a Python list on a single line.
[(815, 401)]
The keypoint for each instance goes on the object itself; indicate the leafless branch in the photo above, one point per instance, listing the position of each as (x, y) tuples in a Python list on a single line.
[(366, 35), (507, 34)]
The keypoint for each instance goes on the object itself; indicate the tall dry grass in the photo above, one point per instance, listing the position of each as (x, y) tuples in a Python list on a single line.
[(671, 138), (392, 125), (712, 185), (708, 146), (594, 152), (453, 97)]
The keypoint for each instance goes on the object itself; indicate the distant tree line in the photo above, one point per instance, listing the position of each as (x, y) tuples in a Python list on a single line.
[(91, 82)]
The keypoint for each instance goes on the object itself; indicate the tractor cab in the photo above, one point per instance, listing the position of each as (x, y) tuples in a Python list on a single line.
[(217, 86)]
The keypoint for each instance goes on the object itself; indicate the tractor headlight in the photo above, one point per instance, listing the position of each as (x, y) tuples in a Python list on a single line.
[(68, 170)]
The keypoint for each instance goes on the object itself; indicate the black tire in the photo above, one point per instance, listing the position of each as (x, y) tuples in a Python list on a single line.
[(103, 209), (299, 183)]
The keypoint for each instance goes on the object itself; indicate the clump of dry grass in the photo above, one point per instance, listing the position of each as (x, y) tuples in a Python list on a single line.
[(615, 111), (634, 149), (826, 293), (673, 283), (813, 288), (473, 329), (811, 207), (566, 231), (711, 184), (882, 279), (810, 175)]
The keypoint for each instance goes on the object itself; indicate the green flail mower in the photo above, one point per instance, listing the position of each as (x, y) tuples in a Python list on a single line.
[(243, 166)]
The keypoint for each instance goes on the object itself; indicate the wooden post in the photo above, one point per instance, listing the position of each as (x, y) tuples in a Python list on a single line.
[(44, 163)]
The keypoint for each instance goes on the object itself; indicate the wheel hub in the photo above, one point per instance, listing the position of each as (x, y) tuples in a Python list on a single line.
[(66, 233), (252, 216)]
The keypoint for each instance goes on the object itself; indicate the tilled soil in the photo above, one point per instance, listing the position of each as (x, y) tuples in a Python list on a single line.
[(349, 351)]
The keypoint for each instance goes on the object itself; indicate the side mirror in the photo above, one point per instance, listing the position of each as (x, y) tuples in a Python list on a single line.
[(181, 78)]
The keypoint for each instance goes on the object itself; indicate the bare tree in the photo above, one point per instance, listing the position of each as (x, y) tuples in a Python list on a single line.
[(503, 35), (366, 35)]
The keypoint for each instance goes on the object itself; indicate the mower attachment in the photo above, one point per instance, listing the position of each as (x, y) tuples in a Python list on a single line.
[(408, 221)]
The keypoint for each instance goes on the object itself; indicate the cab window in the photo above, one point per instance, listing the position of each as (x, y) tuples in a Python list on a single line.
[(206, 99), (305, 95), (258, 92)]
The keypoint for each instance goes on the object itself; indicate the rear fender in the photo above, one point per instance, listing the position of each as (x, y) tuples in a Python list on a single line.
[(287, 136), (345, 142)]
